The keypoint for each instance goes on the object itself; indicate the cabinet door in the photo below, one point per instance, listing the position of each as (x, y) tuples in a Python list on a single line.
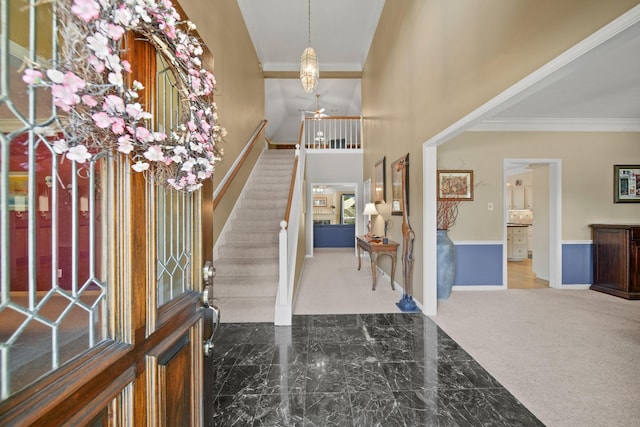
[(518, 198), (528, 197), (634, 267)]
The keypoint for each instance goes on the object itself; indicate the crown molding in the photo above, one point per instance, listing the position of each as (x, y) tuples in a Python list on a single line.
[(558, 125)]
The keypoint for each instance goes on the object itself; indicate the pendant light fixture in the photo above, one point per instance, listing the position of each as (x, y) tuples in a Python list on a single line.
[(309, 72)]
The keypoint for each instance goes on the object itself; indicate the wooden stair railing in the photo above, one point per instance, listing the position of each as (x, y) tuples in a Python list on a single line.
[(231, 174)]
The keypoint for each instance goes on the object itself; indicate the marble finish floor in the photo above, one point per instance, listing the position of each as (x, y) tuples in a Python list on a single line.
[(351, 370)]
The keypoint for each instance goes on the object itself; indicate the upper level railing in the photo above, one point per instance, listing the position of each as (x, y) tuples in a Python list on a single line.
[(333, 133)]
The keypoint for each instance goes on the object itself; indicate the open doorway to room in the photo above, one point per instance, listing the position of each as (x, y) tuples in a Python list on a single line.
[(334, 215), (532, 230)]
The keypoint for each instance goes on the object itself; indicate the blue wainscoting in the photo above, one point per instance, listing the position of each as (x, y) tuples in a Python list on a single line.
[(577, 263), (334, 236), (481, 264), (478, 265)]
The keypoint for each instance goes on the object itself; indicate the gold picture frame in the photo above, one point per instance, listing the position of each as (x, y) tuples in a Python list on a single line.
[(379, 193), (319, 201), (455, 185), (396, 186)]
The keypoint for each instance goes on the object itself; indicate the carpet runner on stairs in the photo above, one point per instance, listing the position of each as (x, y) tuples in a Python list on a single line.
[(247, 262)]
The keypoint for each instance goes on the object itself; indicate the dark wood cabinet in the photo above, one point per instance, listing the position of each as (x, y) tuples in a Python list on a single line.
[(616, 259)]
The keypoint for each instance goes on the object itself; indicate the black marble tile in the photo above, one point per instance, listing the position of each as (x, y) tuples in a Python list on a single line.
[(285, 409), (424, 408), (351, 370), (245, 379), (256, 354), (286, 378), (365, 376), (327, 409), (404, 375), (375, 408), (325, 377), (236, 411)]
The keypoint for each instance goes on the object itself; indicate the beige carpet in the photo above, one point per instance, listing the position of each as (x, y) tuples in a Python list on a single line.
[(572, 357), (331, 284)]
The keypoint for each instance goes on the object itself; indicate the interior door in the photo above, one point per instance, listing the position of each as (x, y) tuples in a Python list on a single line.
[(100, 302)]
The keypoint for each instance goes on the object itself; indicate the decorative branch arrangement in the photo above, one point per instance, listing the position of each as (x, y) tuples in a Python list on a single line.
[(103, 116), (447, 213)]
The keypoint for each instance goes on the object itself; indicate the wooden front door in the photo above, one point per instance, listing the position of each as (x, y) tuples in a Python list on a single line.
[(100, 304)]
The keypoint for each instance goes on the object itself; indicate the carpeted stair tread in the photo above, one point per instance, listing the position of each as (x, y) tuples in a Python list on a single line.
[(247, 267), (242, 310)]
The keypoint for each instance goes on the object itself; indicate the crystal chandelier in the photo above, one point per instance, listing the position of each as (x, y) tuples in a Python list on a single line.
[(309, 73)]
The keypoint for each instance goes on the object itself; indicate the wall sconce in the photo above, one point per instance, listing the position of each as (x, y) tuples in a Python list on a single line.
[(43, 205), (20, 205), (84, 206)]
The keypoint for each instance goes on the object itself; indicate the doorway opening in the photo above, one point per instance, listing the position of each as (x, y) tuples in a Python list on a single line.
[(333, 215), (532, 237)]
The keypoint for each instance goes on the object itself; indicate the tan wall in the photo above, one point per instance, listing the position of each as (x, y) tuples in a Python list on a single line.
[(587, 161), (239, 89), (433, 61)]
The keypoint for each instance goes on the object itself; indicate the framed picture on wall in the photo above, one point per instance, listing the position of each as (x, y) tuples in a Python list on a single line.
[(626, 183), (397, 194), (379, 195), (366, 189), (320, 201), (455, 185)]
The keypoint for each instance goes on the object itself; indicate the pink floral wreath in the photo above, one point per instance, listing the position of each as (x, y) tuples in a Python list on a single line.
[(103, 115)]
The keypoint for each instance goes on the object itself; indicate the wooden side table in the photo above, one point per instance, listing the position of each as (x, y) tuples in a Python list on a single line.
[(375, 247)]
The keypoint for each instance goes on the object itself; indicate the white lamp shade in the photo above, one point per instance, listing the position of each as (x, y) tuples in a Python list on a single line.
[(370, 209)]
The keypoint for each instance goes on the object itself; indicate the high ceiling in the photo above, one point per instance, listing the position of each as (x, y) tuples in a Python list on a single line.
[(599, 90)]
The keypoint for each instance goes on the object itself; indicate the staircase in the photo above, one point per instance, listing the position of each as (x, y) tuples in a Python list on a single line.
[(246, 282)]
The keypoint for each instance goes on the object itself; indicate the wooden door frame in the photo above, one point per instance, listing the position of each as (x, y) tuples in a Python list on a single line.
[(123, 373)]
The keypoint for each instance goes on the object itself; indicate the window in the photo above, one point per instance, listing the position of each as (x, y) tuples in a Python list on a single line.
[(348, 209)]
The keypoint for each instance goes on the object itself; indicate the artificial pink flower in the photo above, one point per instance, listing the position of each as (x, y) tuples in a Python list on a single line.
[(79, 153), (113, 104), (64, 97), (73, 82), (124, 144), (134, 111), (97, 64), (140, 166), (115, 31), (142, 134), (86, 9), (32, 77), (154, 153), (99, 43), (60, 146), (102, 120), (118, 126), (126, 65), (89, 101)]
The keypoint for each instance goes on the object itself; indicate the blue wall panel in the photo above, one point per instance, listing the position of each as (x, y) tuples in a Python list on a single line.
[(334, 236), (478, 265), (577, 264)]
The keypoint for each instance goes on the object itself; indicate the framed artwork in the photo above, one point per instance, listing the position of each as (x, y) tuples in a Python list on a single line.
[(366, 189), (396, 186), (626, 183), (379, 194), (320, 201), (455, 185)]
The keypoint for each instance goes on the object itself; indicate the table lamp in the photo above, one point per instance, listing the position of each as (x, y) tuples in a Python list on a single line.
[(369, 209)]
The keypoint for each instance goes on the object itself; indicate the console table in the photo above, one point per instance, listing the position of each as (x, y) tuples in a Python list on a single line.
[(375, 247)]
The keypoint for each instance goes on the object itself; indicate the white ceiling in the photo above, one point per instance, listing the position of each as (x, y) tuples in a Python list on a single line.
[(600, 90)]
